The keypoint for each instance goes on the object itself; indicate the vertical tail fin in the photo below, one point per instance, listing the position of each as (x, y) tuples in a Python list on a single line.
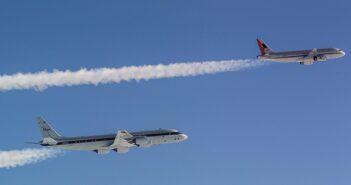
[(46, 130), (264, 48)]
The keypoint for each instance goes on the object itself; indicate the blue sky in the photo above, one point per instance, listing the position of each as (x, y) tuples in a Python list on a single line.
[(277, 124)]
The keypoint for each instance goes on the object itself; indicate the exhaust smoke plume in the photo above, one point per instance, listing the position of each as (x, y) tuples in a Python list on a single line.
[(45, 79), (15, 158)]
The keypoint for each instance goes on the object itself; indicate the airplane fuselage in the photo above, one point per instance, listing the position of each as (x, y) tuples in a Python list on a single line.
[(302, 55), (305, 57), (101, 143)]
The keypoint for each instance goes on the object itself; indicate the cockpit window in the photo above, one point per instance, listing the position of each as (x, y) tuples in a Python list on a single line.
[(174, 133)]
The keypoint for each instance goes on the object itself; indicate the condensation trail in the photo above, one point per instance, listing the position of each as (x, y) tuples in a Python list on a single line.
[(45, 79), (15, 158)]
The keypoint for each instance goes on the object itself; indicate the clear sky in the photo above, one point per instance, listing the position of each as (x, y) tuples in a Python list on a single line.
[(277, 124)]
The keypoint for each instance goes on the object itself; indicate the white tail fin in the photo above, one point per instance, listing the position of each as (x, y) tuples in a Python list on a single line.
[(46, 130)]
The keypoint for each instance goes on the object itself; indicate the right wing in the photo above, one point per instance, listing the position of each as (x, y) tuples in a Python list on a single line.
[(312, 53), (121, 140), (310, 58), (120, 144)]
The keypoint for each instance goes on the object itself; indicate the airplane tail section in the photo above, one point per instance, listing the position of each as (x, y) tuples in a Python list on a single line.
[(264, 48), (46, 130)]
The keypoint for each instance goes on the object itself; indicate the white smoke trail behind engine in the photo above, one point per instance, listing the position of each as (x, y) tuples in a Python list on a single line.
[(15, 158), (44, 79)]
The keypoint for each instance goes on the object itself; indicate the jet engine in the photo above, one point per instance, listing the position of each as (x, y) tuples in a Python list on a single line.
[(102, 151), (320, 58), (143, 142), (121, 150)]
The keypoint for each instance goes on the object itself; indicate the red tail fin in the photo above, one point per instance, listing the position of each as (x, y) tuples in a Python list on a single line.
[(264, 48)]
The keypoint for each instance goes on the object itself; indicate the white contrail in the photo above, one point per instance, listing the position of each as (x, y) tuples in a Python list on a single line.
[(44, 79), (15, 158)]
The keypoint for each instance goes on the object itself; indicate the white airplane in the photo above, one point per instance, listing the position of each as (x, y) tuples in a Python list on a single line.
[(103, 144), (304, 57)]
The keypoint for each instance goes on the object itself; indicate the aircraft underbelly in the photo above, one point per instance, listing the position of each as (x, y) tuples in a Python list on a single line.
[(165, 139), (332, 56), (286, 59), (302, 58), (86, 146)]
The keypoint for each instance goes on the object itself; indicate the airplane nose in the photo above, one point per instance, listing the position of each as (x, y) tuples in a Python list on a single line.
[(184, 137), (343, 53)]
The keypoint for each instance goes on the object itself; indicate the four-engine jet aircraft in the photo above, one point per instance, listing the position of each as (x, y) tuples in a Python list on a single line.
[(102, 144), (304, 57)]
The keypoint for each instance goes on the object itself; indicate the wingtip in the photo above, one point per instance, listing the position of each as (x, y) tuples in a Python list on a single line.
[(40, 119)]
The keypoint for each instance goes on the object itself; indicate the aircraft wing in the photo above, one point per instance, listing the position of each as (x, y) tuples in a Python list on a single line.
[(310, 58), (121, 139), (312, 53)]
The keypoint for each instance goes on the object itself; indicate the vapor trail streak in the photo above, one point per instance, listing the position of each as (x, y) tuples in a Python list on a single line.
[(44, 79), (15, 158)]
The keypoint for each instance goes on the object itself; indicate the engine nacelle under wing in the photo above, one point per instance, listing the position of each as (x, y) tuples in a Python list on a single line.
[(320, 58), (143, 142), (121, 150), (102, 151), (306, 63)]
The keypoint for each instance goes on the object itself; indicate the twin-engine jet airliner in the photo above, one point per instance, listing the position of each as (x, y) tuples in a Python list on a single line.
[(304, 57), (103, 144)]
